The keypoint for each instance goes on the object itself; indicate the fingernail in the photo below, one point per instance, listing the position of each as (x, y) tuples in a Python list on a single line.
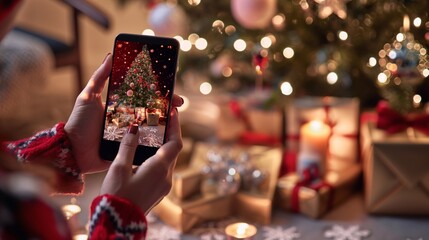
[(183, 100), (133, 128), (105, 58)]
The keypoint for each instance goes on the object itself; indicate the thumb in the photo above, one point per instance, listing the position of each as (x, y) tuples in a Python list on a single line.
[(121, 169)]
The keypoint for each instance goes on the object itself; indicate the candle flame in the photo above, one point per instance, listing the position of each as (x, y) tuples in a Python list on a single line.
[(406, 23), (316, 125), (258, 70), (70, 210), (241, 228)]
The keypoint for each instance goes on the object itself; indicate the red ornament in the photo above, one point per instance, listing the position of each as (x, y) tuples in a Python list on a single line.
[(158, 93), (130, 93), (152, 87), (260, 60)]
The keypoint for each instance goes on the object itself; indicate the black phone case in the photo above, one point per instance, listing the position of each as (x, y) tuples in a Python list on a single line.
[(109, 148)]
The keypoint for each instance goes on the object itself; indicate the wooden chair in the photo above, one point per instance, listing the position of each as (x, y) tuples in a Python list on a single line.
[(69, 53)]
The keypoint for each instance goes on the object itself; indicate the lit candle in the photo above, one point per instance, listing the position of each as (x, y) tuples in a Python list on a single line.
[(314, 137), (240, 230), (406, 23), (71, 209)]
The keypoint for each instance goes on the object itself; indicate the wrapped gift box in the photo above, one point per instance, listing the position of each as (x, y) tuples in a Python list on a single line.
[(396, 171), (183, 215), (248, 120), (317, 198), (341, 114), (188, 204)]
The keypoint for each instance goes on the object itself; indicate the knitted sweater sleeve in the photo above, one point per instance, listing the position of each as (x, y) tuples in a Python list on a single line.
[(51, 148), (112, 217)]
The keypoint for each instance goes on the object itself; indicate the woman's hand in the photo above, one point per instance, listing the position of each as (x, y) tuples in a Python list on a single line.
[(151, 181), (84, 124)]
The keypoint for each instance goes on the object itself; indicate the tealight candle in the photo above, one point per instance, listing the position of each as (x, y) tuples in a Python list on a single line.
[(240, 231)]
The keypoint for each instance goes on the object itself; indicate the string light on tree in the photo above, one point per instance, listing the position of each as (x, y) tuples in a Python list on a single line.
[(205, 88), (148, 32), (332, 78), (240, 45), (328, 7), (286, 88), (201, 44), (185, 45), (406, 62), (288, 52)]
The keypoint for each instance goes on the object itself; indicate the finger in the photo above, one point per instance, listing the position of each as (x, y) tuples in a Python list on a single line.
[(98, 79), (164, 159), (177, 101), (127, 150), (174, 144)]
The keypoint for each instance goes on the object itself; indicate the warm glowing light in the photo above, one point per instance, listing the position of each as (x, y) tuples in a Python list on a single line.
[(240, 231), (80, 237), (382, 78), (205, 88), (227, 72), (343, 35), (406, 23), (372, 61), (71, 209), (332, 78), (417, 22), (230, 29), (178, 38), (194, 2), (148, 32), (392, 54), (185, 45), (218, 24), (240, 45), (201, 43), (417, 99), (400, 37), (266, 42), (286, 88), (288, 52), (193, 37), (278, 20), (185, 104)]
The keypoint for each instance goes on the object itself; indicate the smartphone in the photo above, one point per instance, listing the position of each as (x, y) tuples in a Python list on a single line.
[(140, 91)]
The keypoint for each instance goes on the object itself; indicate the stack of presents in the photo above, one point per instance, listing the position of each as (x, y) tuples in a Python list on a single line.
[(307, 157)]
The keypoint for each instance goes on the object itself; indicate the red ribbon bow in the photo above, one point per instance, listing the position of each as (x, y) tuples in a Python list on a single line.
[(310, 174), (393, 122)]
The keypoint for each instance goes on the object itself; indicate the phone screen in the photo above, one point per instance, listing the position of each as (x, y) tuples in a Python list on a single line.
[(140, 91)]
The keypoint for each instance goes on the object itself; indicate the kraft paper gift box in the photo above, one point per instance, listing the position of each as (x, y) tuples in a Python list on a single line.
[(339, 184), (247, 121), (185, 206), (342, 114), (396, 171), (183, 215)]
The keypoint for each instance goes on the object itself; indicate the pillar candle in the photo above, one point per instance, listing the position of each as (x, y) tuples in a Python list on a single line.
[(314, 137)]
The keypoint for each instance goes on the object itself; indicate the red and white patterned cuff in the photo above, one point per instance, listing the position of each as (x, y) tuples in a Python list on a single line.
[(113, 217), (51, 148)]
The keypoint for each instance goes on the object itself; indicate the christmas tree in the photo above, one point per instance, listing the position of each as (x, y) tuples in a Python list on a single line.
[(314, 47), (139, 88)]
